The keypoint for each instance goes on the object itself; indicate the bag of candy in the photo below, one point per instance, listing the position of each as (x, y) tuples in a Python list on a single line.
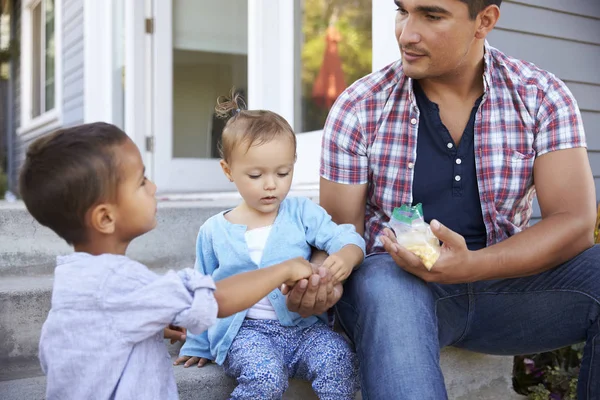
[(413, 233)]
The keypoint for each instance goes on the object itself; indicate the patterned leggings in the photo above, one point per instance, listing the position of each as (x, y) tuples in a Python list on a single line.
[(265, 354)]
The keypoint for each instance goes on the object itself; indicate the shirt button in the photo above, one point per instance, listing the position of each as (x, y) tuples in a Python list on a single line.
[(450, 145), (458, 161), (413, 121), (457, 178), (273, 296), (411, 165)]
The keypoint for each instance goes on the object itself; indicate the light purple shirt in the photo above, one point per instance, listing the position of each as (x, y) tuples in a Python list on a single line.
[(103, 338)]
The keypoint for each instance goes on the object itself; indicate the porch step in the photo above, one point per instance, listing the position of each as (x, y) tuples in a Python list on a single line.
[(468, 376), (29, 249), (27, 258)]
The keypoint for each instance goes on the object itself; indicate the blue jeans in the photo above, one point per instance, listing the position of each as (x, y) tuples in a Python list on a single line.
[(398, 322)]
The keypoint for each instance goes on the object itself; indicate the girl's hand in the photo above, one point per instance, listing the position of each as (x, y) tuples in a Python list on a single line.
[(189, 360), (338, 268)]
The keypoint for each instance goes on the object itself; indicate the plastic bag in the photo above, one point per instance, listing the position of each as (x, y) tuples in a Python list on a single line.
[(413, 233)]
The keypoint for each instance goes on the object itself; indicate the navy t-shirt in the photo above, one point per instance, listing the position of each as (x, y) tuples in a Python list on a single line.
[(445, 179)]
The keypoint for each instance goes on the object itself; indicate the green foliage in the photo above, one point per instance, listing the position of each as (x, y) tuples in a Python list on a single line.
[(548, 376), (3, 183)]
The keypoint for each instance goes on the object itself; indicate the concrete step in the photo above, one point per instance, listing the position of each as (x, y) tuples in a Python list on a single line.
[(29, 249), (25, 302), (468, 376), (27, 259)]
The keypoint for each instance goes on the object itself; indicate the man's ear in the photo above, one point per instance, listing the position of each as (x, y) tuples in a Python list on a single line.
[(102, 219), (486, 21), (226, 170)]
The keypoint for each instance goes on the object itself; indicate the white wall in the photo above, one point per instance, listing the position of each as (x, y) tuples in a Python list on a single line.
[(385, 46)]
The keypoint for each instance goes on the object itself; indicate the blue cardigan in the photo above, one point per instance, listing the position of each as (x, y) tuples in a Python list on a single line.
[(221, 251)]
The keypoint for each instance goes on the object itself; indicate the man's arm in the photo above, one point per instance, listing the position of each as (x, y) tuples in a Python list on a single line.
[(566, 195), (317, 295), (345, 203)]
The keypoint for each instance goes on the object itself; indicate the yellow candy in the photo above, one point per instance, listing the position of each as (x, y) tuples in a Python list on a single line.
[(426, 253)]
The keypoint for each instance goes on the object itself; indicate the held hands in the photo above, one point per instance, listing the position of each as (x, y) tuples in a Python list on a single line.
[(456, 263), (313, 296), (298, 268)]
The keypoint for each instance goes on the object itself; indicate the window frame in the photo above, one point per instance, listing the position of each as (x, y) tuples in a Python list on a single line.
[(52, 118)]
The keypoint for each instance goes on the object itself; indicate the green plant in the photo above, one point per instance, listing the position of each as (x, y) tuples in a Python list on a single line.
[(3, 183), (553, 375), (548, 376)]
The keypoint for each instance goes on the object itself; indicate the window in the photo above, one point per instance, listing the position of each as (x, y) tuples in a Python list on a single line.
[(39, 65), (43, 58), (335, 50)]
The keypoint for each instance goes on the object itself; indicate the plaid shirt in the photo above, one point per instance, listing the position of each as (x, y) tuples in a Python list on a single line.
[(371, 137)]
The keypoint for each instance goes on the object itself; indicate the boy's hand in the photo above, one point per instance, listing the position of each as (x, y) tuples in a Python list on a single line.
[(298, 269), (339, 269), (175, 333), (188, 361)]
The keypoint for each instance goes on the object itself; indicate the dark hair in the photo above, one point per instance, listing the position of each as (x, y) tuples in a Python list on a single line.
[(69, 171), (475, 6), (248, 127)]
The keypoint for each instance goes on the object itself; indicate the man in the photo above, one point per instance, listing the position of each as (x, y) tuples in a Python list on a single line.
[(465, 130)]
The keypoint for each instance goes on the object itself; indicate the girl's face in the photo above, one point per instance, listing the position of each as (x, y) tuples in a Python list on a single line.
[(262, 173)]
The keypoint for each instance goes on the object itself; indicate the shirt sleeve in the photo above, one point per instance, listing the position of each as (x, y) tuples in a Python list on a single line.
[(343, 148), (198, 345), (141, 303), (323, 233), (559, 123)]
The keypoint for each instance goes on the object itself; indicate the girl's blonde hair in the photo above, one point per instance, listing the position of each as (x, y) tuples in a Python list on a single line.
[(248, 127)]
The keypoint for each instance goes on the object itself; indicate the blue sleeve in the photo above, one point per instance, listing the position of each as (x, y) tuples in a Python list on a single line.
[(324, 234), (206, 263)]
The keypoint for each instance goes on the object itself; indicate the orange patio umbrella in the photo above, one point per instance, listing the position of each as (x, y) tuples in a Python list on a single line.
[(330, 82)]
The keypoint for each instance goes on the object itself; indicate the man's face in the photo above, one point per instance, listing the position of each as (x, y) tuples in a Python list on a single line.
[(435, 37)]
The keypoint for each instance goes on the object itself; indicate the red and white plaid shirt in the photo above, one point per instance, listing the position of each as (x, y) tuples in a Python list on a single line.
[(371, 137)]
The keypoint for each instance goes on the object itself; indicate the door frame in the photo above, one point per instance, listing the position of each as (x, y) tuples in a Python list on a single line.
[(270, 55)]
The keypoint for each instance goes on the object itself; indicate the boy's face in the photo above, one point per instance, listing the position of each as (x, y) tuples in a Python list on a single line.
[(263, 174), (136, 204)]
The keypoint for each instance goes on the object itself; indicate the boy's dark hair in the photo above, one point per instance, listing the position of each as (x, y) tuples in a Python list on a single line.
[(475, 6), (67, 172)]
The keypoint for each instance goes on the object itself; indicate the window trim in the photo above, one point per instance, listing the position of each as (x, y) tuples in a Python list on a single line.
[(49, 119)]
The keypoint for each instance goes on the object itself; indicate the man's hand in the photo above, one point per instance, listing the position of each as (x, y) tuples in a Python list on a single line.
[(455, 265), (175, 333), (189, 361), (314, 295)]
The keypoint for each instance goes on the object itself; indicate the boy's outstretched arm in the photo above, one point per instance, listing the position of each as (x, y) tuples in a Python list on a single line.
[(242, 291)]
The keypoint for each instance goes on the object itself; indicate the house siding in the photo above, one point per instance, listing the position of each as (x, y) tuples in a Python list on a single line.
[(72, 76), (563, 38)]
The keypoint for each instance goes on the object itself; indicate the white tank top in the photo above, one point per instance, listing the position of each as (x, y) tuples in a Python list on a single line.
[(256, 239)]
